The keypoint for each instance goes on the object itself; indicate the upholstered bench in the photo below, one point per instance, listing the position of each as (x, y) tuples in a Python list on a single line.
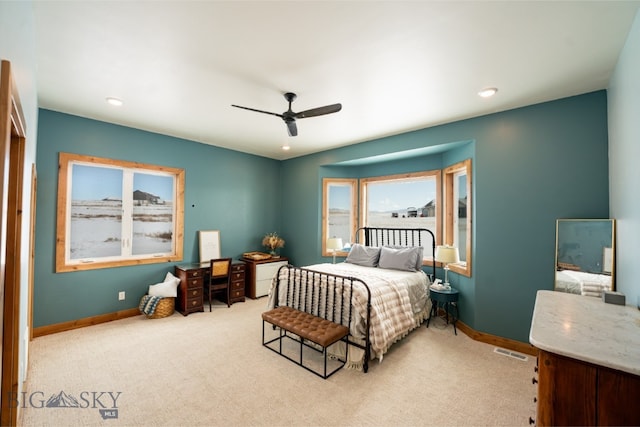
[(307, 327)]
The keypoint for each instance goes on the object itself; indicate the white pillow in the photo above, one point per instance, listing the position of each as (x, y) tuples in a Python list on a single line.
[(170, 276), (168, 288)]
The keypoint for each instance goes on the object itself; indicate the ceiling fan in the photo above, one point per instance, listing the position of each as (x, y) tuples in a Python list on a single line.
[(290, 117)]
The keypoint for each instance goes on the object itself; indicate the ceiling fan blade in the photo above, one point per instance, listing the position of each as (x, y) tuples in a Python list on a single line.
[(291, 127), (257, 111), (320, 111)]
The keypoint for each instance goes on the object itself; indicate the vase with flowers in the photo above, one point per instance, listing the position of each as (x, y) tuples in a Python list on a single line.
[(272, 242)]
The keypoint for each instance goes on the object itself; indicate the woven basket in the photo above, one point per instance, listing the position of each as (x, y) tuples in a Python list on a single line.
[(165, 307)]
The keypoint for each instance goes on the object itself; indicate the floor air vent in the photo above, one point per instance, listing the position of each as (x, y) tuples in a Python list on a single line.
[(508, 353)]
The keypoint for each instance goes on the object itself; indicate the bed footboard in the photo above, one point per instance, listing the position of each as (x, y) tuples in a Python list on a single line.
[(326, 296)]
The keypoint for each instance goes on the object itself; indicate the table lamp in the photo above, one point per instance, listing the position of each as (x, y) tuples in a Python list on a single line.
[(334, 244), (447, 254)]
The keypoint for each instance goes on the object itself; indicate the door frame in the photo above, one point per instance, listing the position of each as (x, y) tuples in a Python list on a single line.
[(12, 155)]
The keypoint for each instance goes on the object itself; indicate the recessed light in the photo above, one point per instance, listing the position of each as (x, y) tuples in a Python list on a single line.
[(488, 92), (286, 147), (114, 101)]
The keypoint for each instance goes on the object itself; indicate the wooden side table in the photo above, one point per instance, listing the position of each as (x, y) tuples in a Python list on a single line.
[(259, 274), (446, 298)]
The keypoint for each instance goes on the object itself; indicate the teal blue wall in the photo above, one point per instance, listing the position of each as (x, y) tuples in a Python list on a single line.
[(530, 166), (225, 190)]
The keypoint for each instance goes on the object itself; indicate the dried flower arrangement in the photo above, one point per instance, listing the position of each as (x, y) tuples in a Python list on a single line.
[(272, 241)]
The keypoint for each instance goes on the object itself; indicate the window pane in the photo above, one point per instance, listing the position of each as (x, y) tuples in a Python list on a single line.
[(95, 224), (96, 212), (152, 214), (340, 199), (402, 204), (460, 191)]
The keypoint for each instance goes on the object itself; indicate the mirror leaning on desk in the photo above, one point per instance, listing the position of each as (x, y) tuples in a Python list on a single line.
[(585, 256)]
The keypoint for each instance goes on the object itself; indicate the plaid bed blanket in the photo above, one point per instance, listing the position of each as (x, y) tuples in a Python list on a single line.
[(398, 302), (148, 304)]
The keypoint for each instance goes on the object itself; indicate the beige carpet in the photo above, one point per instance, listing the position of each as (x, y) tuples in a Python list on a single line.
[(210, 369)]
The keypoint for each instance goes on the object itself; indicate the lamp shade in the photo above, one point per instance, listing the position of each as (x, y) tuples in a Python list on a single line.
[(334, 243), (447, 254)]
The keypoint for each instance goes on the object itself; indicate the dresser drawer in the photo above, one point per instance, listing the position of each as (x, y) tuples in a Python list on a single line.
[(268, 270), (237, 285)]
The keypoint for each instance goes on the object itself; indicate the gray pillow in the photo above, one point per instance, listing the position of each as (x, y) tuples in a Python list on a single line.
[(419, 254), (405, 259), (366, 256)]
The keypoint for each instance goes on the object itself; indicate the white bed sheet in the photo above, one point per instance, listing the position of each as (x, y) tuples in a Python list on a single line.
[(582, 283)]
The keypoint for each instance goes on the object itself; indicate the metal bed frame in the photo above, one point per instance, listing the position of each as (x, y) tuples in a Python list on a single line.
[(305, 279)]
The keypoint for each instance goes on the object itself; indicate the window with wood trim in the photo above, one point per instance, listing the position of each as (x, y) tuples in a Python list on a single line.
[(403, 201), (114, 213), (458, 209), (339, 211)]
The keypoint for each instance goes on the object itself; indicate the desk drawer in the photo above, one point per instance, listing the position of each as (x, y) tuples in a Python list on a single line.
[(236, 294), (194, 293), (194, 283), (194, 273), (194, 303)]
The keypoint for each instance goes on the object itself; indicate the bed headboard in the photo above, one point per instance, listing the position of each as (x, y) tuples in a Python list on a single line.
[(374, 236)]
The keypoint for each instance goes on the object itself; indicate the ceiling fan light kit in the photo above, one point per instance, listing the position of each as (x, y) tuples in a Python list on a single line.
[(289, 117)]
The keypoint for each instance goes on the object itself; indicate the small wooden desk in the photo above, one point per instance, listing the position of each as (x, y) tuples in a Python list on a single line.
[(192, 278)]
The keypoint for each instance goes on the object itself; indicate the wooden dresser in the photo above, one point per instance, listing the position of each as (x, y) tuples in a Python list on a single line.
[(192, 276), (260, 273), (588, 370)]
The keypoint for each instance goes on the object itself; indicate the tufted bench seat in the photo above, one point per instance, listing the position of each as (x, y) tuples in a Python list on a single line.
[(307, 327)]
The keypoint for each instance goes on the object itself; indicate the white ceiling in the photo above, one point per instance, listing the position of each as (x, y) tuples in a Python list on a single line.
[(395, 66)]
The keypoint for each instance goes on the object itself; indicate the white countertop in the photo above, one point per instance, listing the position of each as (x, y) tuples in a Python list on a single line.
[(587, 329)]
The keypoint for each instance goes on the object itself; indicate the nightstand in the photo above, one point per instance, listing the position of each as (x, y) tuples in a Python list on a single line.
[(445, 298), (260, 273)]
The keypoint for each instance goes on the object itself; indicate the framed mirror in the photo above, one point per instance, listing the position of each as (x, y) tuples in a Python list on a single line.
[(585, 256)]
